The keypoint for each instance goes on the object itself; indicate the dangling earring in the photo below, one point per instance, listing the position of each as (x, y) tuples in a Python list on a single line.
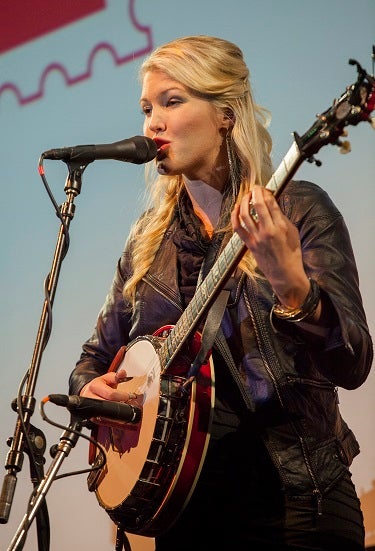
[(233, 166)]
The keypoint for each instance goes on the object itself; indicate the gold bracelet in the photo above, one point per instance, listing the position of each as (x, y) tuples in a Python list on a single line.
[(306, 310)]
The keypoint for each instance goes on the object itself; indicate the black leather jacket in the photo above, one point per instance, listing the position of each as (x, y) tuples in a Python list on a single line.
[(290, 383)]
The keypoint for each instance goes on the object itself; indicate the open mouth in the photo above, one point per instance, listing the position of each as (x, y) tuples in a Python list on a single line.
[(162, 146)]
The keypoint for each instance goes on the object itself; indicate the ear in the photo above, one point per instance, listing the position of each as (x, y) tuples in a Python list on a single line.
[(228, 118), (225, 119)]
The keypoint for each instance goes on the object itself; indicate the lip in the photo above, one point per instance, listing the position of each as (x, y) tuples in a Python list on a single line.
[(162, 146), (160, 142)]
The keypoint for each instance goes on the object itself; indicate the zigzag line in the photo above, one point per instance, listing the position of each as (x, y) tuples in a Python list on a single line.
[(72, 80)]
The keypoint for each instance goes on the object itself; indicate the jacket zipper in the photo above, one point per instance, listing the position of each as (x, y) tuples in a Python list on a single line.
[(263, 344)]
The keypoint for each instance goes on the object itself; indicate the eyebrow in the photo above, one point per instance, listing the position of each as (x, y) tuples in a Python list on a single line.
[(164, 92)]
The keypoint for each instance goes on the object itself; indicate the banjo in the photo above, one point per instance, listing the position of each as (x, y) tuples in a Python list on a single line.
[(151, 467)]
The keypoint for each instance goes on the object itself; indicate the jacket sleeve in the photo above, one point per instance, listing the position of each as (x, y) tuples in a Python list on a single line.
[(110, 333), (345, 355)]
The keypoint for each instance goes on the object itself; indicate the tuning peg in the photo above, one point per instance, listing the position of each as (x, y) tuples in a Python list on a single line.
[(314, 161), (344, 146)]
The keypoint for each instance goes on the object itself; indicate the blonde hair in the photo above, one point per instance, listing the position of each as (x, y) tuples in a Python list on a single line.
[(213, 69)]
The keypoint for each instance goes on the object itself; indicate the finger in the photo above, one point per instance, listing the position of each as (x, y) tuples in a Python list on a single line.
[(110, 378), (275, 212), (248, 214), (111, 390), (264, 203), (121, 376), (238, 224)]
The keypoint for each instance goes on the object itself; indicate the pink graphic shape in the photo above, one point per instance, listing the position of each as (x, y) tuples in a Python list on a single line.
[(70, 79), (22, 21)]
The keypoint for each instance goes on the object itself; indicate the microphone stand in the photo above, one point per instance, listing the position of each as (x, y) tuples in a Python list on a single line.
[(27, 438), (67, 441)]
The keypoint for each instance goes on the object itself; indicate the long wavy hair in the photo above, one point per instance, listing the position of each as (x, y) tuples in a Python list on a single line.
[(213, 69)]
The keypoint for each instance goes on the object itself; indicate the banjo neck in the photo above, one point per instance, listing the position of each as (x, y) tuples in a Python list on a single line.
[(222, 269)]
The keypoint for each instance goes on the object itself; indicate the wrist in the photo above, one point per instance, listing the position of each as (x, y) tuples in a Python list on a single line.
[(303, 312)]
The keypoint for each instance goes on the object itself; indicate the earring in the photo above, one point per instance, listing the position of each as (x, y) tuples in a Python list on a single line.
[(233, 166)]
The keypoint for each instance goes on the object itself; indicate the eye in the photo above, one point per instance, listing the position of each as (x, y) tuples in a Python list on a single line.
[(146, 110), (173, 101)]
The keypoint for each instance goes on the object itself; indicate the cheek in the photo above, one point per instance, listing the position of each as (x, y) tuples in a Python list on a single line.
[(206, 137), (146, 129)]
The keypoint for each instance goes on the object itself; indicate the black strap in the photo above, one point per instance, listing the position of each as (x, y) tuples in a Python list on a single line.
[(210, 329), (216, 311), (122, 541)]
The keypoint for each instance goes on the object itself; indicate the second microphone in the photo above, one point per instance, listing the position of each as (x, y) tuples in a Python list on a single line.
[(87, 408)]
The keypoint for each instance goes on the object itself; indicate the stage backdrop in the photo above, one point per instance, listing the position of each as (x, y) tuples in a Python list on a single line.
[(68, 76)]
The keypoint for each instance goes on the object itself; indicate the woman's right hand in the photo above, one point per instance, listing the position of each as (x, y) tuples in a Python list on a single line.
[(105, 387)]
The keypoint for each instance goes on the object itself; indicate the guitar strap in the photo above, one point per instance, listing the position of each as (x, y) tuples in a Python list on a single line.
[(209, 332), (212, 332), (215, 313)]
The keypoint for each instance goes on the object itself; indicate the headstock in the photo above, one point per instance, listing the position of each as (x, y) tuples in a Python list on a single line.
[(354, 106)]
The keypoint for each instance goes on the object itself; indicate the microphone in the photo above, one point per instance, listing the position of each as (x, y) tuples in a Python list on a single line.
[(138, 150), (90, 407)]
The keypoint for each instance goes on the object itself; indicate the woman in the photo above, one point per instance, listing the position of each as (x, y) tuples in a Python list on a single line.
[(276, 473)]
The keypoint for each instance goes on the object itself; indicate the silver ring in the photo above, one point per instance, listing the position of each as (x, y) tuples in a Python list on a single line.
[(253, 213)]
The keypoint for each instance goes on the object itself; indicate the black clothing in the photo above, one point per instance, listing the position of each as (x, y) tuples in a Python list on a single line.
[(279, 443), (239, 505)]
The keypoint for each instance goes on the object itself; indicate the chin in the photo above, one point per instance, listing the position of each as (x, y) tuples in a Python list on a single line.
[(163, 168)]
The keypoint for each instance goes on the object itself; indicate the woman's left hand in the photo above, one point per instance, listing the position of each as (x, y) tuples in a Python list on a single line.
[(275, 244)]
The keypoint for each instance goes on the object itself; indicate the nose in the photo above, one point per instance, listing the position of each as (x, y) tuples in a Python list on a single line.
[(156, 122)]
